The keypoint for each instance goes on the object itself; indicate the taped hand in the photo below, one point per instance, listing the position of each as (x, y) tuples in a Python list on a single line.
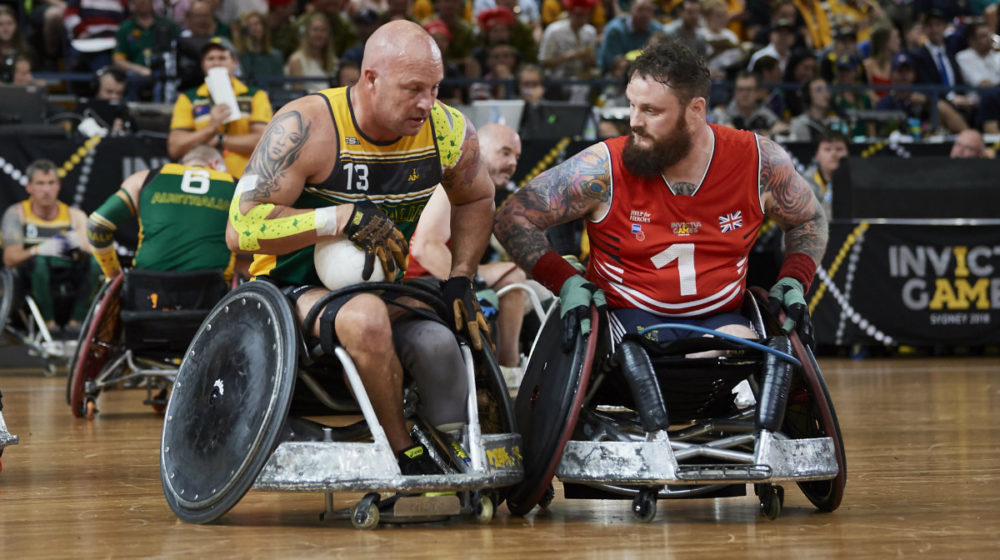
[(789, 295), (373, 231), (575, 298), (465, 313)]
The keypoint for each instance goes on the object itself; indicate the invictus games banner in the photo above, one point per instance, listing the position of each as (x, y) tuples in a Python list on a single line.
[(916, 283)]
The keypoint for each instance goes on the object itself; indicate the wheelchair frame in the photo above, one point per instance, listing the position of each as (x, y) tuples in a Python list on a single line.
[(329, 466), (683, 461), (34, 334)]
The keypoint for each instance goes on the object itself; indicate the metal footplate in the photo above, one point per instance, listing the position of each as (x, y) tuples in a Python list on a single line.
[(6, 438), (372, 467), (654, 462)]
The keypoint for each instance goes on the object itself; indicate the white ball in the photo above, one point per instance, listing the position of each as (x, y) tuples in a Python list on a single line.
[(340, 262)]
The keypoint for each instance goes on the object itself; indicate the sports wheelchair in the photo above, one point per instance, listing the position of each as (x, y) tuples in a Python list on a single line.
[(237, 419), (639, 420), (21, 320), (135, 334)]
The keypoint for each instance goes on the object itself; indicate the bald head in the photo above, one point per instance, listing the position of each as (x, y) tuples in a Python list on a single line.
[(203, 156), (500, 146), (968, 144), (397, 43)]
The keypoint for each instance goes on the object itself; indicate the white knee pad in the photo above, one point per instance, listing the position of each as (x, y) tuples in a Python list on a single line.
[(429, 352)]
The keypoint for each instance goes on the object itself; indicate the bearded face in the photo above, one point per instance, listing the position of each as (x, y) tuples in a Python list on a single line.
[(648, 156)]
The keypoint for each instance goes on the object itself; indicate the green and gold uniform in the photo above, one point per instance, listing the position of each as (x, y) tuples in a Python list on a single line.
[(182, 219), (399, 176)]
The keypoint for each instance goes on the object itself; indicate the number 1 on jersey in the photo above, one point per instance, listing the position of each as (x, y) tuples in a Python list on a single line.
[(683, 253)]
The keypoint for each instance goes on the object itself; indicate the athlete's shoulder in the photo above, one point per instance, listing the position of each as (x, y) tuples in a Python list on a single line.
[(449, 126)]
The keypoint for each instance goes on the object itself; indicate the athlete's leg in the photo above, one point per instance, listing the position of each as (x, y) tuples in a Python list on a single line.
[(429, 351), (363, 328)]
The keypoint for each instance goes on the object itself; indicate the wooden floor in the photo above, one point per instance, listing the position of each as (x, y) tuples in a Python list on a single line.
[(923, 449)]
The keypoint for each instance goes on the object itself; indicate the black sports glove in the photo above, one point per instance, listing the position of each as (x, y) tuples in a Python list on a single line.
[(373, 231), (460, 297), (789, 295)]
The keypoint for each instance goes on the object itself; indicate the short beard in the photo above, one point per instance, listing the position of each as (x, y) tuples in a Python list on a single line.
[(650, 162)]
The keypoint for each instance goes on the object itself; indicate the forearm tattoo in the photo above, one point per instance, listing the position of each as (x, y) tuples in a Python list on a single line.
[(570, 191), (791, 203), (279, 148)]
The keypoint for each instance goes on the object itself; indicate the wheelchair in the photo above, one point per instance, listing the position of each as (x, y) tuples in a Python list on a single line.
[(135, 334), (21, 320), (642, 420), (237, 419)]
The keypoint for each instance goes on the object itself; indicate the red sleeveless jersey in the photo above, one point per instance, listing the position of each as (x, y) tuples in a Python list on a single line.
[(680, 255)]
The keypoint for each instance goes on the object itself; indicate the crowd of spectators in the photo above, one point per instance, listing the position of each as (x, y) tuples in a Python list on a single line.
[(812, 64)]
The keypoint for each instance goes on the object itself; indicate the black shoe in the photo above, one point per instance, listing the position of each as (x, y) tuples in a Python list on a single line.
[(416, 460)]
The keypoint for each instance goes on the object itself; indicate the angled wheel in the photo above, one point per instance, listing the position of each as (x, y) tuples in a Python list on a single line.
[(7, 295), (229, 401), (548, 405), (95, 346), (810, 414)]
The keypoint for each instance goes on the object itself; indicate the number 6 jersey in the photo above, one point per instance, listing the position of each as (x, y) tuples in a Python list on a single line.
[(677, 255)]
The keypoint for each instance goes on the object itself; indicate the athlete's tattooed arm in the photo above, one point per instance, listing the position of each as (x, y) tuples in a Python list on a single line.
[(790, 202), (574, 189), (470, 192), (279, 148)]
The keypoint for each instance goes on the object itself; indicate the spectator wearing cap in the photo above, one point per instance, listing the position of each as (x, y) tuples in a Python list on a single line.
[(196, 120), (496, 26), (845, 43), (142, 40), (980, 64), (782, 37), (259, 60), (569, 47), (315, 57), (847, 99), (282, 25), (526, 31), (935, 65), (627, 32), (885, 43), (554, 10), (915, 104), (688, 27), (528, 13)]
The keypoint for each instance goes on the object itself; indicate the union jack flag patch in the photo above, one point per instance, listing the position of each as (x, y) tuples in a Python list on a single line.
[(731, 221)]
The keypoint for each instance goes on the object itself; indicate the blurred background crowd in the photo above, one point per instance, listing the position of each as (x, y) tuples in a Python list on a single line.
[(787, 68)]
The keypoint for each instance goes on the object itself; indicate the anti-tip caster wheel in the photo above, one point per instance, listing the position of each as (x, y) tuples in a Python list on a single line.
[(771, 499), (366, 514), (547, 497), (485, 510), (644, 506)]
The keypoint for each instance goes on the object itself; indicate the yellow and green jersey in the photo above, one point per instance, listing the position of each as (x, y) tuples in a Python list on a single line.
[(399, 176), (37, 229)]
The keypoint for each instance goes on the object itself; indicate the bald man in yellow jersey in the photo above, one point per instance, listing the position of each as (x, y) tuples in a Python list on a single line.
[(360, 163)]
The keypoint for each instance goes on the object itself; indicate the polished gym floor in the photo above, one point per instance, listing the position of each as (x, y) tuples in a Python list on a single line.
[(922, 437)]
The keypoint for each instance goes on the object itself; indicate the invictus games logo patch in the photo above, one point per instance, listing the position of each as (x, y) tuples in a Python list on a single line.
[(685, 228), (352, 141)]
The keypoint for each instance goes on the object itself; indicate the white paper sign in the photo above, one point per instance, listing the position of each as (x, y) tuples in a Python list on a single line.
[(221, 90)]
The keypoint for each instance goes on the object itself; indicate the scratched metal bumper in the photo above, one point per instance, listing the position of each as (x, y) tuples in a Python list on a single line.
[(364, 467), (654, 462)]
